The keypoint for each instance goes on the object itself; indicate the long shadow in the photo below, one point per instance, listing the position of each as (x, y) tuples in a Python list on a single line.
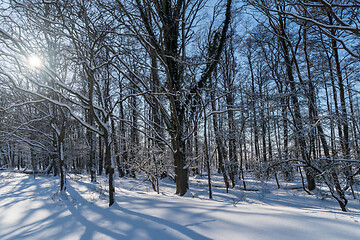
[(180, 228), (90, 227), (151, 227), (265, 229), (307, 203), (75, 215), (59, 224), (68, 219), (32, 224)]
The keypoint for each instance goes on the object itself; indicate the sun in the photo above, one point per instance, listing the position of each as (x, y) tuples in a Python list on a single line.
[(34, 61)]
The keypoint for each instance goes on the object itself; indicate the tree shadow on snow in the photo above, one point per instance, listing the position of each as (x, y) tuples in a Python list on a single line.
[(29, 212), (128, 224)]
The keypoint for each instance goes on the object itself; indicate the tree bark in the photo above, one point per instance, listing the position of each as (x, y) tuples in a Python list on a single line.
[(219, 143)]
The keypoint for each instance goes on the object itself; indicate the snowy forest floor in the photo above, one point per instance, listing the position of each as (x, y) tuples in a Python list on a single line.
[(33, 209)]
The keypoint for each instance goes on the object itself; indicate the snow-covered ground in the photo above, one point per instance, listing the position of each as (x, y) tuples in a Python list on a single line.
[(33, 209)]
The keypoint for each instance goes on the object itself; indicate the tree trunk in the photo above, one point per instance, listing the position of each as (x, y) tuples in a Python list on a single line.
[(253, 108), (344, 121), (337, 192), (110, 165), (219, 143), (298, 124), (101, 155), (207, 157), (92, 156)]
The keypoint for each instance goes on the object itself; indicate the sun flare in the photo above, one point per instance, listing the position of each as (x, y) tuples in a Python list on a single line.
[(34, 61)]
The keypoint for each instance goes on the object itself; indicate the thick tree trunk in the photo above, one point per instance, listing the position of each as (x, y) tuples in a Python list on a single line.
[(166, 42), (181, 171)]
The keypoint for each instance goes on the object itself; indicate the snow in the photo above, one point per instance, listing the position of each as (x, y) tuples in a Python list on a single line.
[(34, 209)]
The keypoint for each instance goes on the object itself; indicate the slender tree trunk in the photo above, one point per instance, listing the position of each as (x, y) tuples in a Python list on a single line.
[(311, 97), (296, 106), (232, 139), (344, 121), (134, 137), (207, 157), (354, 125), (110, 165), (101, 155), (196, 147), (219, 143), (253, 108), (61, 167), (332, 130), (336, 191), (60, 148), (92, 157), (33, 160), (122, 159)]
